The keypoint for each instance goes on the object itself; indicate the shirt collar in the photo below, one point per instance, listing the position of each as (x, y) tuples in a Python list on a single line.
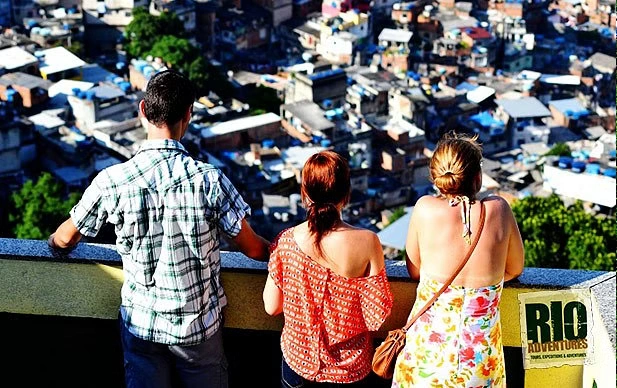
[(160, 144)]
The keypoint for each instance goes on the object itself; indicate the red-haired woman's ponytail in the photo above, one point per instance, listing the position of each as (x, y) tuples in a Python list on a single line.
[(325, 188)]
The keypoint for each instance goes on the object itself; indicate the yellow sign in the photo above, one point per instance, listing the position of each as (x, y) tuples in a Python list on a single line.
[(556, 328)]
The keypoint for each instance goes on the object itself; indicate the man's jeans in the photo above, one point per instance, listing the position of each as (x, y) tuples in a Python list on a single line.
[(152, 365)]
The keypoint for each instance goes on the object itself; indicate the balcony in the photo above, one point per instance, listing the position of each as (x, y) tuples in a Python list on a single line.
[(58, 320)]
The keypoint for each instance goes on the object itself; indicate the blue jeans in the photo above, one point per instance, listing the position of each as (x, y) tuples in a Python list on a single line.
[(290, 379), (152, 365)]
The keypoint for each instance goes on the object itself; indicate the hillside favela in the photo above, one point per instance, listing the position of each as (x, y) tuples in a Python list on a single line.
[(277, 85)]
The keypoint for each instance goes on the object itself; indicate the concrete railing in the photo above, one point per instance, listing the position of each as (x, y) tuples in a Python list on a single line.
[(87, 283)]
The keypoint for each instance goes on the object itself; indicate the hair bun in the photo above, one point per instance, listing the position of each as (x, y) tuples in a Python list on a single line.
[(448, 183), (455, 164)]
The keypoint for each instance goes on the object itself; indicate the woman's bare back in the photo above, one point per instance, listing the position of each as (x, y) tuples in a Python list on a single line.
[(347, 251), (435, 241)]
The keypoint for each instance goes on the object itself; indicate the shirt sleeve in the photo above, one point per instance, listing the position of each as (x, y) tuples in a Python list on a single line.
[(89, 214), (377, 300), (231, 208)]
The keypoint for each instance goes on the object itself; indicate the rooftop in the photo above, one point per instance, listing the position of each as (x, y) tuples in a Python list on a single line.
[(392, 35), (560, 79), (603, 62), (526, 107), (25, 80), (59, 59), (480, 94), (395, 234), (477, 33), (310, 113), (568, 106), (241, 124), (15, 58)]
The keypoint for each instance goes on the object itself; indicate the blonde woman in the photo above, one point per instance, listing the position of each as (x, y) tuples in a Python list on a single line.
[(457, 342)]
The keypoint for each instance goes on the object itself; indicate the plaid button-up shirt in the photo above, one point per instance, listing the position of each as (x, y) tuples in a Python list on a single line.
[(168, 210)]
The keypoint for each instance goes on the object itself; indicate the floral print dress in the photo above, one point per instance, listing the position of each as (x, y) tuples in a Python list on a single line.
[(456, 343)]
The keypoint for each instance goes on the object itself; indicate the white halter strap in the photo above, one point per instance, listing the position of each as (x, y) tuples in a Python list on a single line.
[(465, 214)]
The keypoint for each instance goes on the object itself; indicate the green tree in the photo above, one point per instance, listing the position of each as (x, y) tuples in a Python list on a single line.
[(199, 73), (39, 207), (556, 236), (146, 29), (560, 149), (396, 214), (164, 36), (175, 51)]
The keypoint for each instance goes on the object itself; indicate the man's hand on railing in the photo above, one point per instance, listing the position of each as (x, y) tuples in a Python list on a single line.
[(56, 250)]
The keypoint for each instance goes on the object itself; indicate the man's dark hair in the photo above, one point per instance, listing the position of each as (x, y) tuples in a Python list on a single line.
[(168, 96)]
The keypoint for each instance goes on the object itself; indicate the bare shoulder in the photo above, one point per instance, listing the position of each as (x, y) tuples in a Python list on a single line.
[(362, 235), (496, 203), (357, 240), (427, 206)]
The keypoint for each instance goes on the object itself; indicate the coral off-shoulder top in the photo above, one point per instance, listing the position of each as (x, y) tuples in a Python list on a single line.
[(328, 317)]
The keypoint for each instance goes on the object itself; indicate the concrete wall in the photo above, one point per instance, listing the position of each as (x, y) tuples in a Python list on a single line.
[(86, 285)]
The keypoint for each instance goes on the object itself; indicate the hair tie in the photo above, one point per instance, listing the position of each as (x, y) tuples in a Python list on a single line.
[(465, 214), (311, 203)]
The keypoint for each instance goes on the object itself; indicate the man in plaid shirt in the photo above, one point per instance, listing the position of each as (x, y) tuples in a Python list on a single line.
[(168, 210)]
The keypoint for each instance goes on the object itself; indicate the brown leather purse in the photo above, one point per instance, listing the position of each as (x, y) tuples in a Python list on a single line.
[(385, 356)]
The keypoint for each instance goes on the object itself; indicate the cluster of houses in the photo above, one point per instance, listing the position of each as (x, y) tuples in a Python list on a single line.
[(379, 82)]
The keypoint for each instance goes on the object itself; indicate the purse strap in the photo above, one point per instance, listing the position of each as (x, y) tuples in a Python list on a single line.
[(454, 275)]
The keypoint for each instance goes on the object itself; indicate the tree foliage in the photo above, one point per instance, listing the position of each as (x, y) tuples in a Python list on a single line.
[(396, 214), (39, 207), (556, 236), (175, 52), (146, 29), (560, 149), (164, 36)]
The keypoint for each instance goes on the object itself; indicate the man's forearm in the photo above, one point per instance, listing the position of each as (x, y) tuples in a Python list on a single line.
[(65, 237)]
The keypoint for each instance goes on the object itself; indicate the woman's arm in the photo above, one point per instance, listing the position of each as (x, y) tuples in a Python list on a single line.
[(377, 260), (515, 259), (412, 249), (273, 297)]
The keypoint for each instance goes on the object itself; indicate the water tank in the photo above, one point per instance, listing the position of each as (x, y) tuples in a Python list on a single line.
[(10, 95), (148, 71), (610, 172), (267, 143), (139, 65), (565, 162), (593, 168), (125, 86), (578, 166)]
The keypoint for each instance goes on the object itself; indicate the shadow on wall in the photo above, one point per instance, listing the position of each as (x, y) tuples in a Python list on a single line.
[(47, 351)]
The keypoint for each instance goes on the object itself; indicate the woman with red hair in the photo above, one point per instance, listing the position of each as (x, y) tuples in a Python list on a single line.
[(328, 279)]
